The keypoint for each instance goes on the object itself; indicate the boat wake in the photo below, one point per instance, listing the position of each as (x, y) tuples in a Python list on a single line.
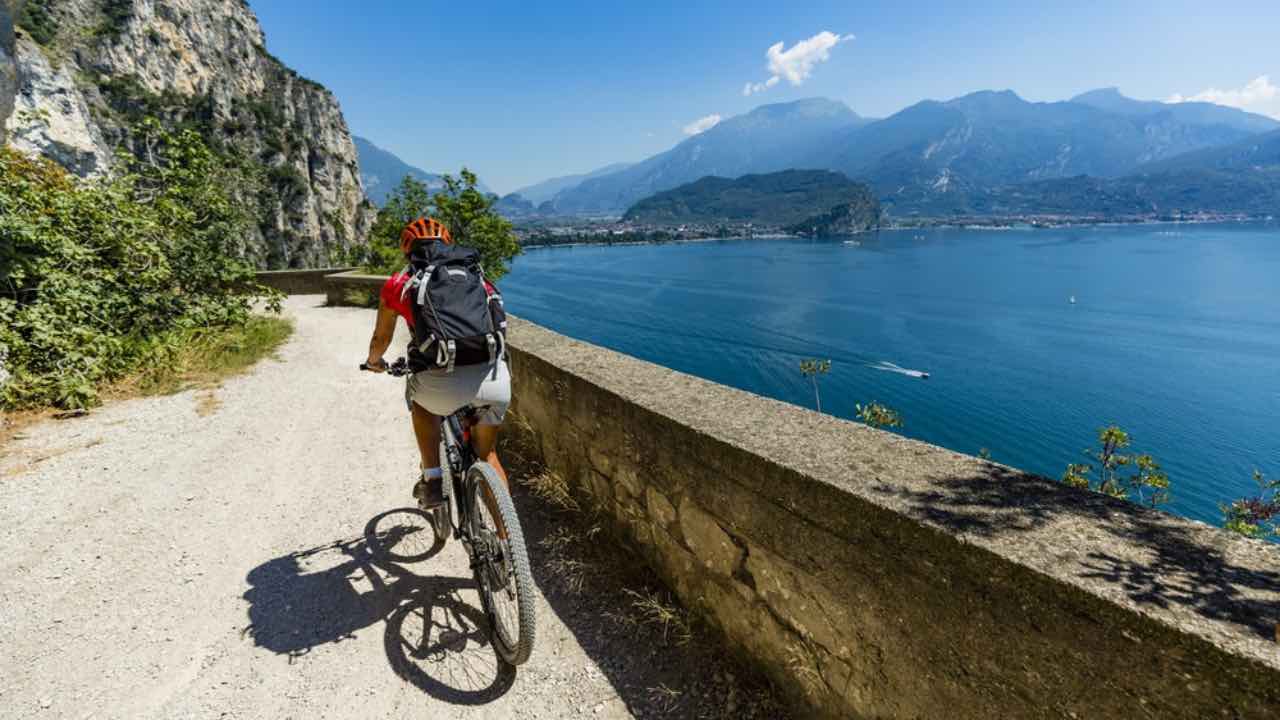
[(891, 367)]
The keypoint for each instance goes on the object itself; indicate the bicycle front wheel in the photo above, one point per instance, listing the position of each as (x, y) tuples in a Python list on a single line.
[(506, 586)]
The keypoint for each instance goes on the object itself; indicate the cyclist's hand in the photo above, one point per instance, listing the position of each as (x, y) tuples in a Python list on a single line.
[(378, 365)]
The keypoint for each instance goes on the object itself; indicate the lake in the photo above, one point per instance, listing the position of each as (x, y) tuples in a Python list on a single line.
[(1174, 335)]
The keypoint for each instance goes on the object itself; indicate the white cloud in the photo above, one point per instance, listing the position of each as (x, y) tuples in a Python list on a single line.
[(702, 124), (796, 63), (1258, 95)]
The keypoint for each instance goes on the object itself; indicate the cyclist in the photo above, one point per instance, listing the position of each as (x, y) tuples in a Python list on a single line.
[(431, 394)]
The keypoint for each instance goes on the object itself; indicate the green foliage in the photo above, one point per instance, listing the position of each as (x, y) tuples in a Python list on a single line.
[(878, 416), (95, 277), (193, 356), (776, 199), (467, 212), (1255, 516), (115, 14), (38, 19), (812, 369), (1146, 482)]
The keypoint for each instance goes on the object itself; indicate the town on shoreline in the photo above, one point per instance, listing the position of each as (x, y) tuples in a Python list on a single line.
[(566, 231)]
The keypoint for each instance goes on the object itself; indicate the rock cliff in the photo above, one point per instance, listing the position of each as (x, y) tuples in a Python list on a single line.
[(76, 76)]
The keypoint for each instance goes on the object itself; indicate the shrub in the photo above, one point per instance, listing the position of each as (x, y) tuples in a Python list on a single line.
[(95, 277), (38, 20), (1258, 515), (1147, 481), (467, 212), (878, 416)]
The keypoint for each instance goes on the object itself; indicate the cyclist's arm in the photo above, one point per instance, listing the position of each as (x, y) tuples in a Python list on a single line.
[(384, 328)]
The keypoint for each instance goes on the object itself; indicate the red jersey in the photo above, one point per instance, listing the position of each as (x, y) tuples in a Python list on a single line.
[(394, 296)]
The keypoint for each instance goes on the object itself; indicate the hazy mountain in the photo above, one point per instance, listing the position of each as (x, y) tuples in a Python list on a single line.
[(781, 198), (938, 157), (539, 193), (767, 139), (381, 171), (1193, 113), (515, 206), (1243, 177), (933, 157)]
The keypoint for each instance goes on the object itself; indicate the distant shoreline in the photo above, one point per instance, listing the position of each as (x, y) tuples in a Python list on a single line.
[(905, 228)]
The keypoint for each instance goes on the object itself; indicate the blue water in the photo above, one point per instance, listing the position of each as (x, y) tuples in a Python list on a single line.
[(1175, 335)]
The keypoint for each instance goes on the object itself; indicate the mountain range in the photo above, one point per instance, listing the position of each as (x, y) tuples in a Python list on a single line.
[(382, 170), (966, 155), (539, 193), (767, 139), (1242, 177)]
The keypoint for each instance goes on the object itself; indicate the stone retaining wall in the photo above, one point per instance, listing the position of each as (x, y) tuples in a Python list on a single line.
[(340, 286), (353, 288), (298, 282), (875, 576)]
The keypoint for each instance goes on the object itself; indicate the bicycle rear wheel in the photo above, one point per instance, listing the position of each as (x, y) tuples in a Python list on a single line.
[(506, 586)]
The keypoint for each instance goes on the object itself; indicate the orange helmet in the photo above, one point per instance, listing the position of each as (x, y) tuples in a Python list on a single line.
[(424, 228)]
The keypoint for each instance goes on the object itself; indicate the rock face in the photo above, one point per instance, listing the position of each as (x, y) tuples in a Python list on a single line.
[(85, 72)]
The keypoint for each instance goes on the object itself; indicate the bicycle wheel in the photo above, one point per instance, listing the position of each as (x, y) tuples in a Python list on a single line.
[(506, 586)]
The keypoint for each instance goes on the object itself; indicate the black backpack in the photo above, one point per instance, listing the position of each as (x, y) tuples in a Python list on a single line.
[(455, 319)]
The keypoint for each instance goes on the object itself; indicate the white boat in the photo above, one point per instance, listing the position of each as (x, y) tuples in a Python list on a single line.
[(1072, 300)]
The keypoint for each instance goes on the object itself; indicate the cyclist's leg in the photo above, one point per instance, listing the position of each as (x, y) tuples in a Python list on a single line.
[(493, 397), (426, 428), (484, 441)]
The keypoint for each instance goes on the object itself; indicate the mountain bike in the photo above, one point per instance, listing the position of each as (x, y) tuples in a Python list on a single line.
[(478, 510)]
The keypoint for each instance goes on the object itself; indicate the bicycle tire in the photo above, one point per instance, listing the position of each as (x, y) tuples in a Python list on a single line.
[(481, 476)]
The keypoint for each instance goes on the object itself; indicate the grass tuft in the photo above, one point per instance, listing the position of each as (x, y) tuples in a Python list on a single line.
[(202, 358), (553, 489), (656, 608)]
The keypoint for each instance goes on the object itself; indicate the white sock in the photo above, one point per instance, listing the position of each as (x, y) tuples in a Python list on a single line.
[(431, 473)]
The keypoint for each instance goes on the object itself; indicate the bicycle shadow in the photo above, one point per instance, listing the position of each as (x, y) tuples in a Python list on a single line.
[(435, 634)]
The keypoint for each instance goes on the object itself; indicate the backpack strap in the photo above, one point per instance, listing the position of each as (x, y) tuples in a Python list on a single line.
[(427, 343), (408, 281), (425, 278)]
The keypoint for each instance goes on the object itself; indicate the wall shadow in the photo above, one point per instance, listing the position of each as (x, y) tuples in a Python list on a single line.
[(1157, 559), (435, 635), (601, 591)]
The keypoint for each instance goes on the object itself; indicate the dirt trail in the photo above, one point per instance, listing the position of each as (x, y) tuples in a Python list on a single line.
[(164, 561)]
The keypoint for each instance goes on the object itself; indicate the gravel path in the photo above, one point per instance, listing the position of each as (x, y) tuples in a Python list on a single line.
[(246, 552)]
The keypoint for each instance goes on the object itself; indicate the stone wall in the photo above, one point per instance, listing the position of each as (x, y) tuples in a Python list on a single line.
[(353, 288), (875, 576), (299, 282), (340, 286)]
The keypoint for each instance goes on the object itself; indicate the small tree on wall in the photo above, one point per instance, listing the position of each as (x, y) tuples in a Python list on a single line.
[(1147, 481), (812, 369), (879, 416), (1258, 515)]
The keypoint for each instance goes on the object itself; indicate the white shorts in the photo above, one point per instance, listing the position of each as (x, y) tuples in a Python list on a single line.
[(487, 387)]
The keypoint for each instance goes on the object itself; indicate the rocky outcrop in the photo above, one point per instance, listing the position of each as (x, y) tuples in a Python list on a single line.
[(849, 218), (87, 71)]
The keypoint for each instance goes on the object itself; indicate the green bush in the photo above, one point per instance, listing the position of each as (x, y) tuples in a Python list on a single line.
[(97, 277), (38, 20), (1146, 481), (467, 212)]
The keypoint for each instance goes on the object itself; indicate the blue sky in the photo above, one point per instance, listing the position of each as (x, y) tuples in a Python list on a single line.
[(523, 91)]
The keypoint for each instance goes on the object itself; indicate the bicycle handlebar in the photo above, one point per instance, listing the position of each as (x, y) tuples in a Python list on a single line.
[(399, 368)]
